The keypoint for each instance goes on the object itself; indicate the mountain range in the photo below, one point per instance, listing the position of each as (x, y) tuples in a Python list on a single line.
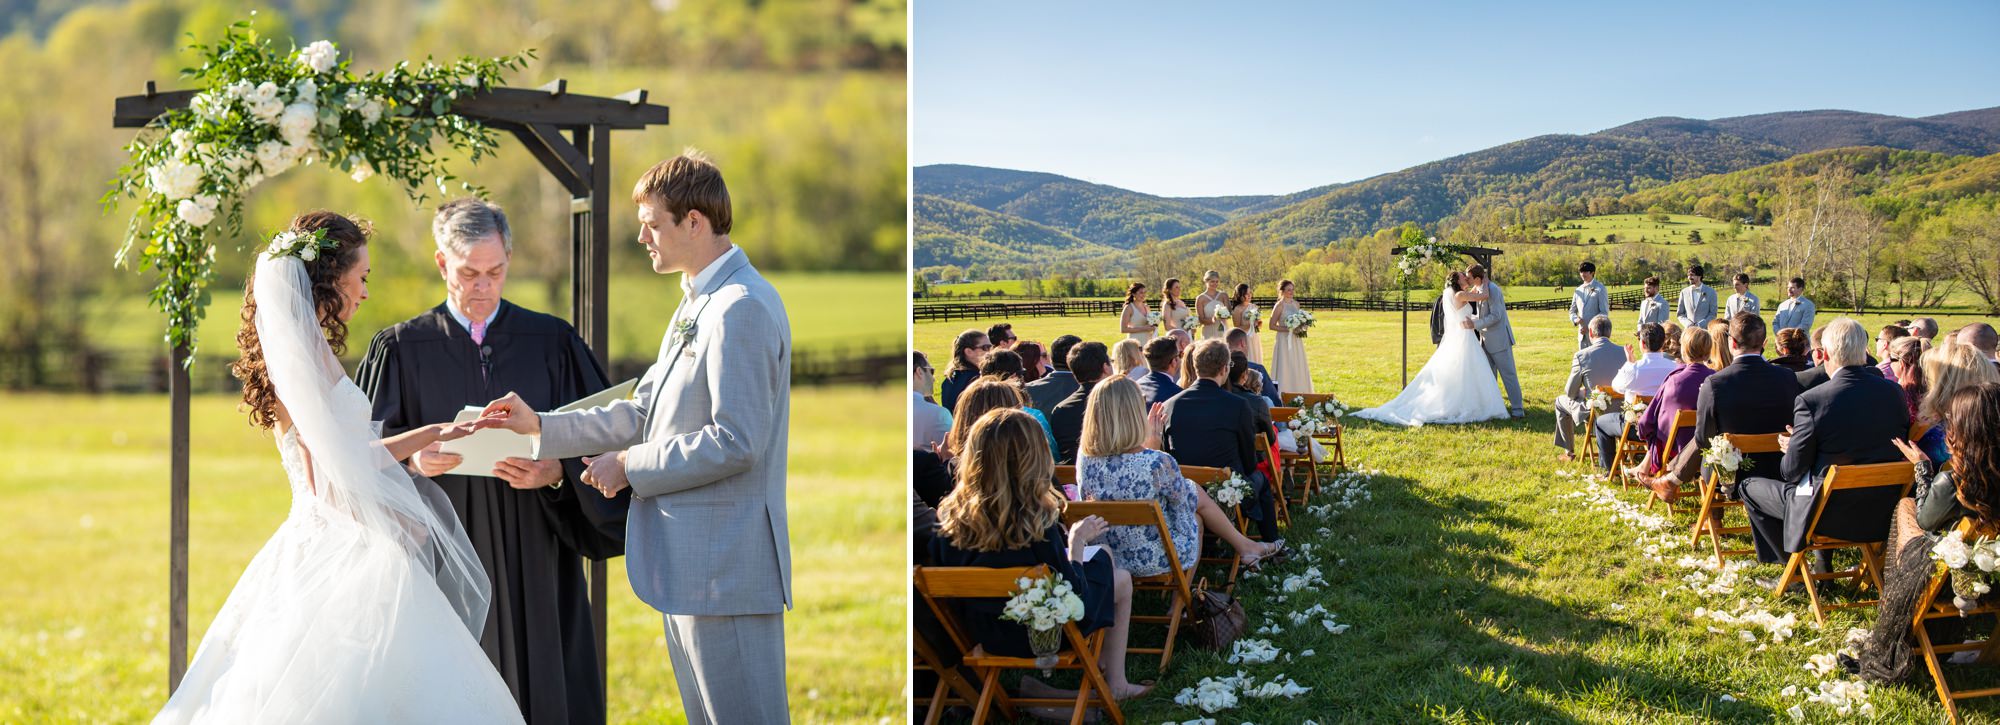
[(1042, 220)]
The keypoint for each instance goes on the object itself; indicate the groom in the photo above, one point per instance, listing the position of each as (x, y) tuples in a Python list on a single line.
[(1489, 319), (702, 446)]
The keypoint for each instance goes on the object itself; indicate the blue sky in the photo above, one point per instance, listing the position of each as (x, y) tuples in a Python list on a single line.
[(1196, 99)]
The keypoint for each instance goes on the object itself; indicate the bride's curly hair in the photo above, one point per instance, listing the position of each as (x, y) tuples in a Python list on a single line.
[(325, 271)]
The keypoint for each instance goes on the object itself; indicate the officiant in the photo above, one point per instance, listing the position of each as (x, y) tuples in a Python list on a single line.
[(526, 520)]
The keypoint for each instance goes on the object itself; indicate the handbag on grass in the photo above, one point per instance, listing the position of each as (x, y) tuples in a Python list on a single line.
[(1213, 620)]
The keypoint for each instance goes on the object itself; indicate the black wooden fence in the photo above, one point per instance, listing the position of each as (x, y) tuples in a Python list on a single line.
[(1628, 299)]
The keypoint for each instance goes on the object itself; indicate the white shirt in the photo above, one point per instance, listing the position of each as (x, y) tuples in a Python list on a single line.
[(691, 287), (1645, 376), (1138, 373), (929, 422), (1743, 302), (466, 322)]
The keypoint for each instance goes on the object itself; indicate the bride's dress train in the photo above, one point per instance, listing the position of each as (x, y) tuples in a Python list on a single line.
[(1455, 386), (364, 605)]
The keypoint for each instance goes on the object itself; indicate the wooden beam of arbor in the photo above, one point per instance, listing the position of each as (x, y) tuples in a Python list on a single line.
[(493, 105)]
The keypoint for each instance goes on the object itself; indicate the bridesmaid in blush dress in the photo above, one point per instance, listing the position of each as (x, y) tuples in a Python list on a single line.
[(1206, 302), (1173, 310), (1243, 318), (1288, 352), (1133, 320)]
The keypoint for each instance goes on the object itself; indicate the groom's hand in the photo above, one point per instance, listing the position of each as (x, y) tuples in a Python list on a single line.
[(511, 413), (606, 473), (1466, 324)]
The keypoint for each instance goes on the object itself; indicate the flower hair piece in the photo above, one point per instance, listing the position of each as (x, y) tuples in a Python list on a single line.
[(294, 243)]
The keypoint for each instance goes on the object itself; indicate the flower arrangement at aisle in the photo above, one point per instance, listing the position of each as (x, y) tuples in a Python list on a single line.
[(1044, 605), (1230, 492), (1600, 401), (1417, 256), (1634, 408), (1317, 418), (1724, 459), (1300, 322), (260, 111), (1971, 566)]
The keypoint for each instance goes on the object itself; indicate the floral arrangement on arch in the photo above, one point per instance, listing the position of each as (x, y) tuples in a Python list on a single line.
[(1416, 257), (259, 112)]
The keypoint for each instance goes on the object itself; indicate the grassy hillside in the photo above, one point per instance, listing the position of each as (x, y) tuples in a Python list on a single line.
[(1103, 214), (952, 232), (1641, 229)]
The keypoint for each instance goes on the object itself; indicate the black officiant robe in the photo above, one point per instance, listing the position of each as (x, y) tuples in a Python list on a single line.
[(532, 543)]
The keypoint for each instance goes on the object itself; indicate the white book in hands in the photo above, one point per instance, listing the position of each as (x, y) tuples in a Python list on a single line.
[(480, 451)]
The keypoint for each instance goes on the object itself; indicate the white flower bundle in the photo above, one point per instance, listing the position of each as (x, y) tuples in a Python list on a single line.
[(1971, 565), (1634, 408), (1191, 322), (1599, 400), (1230, 492), (1153, 319), (1300, 322), (1723, 457), (1043, 604), (1218, 310)]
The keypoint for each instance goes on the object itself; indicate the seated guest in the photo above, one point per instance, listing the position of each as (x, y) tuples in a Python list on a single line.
[(928, 421), (1239, 341), (1981, 337), (1245, 383), (1001, 334), (1792, 350), (1672, 348), (1050, 389), (967, 352), (1718, 331), (1904, 366), (1003, 514), (1679, 392), (1187, 377), (1034, 363), (1596, 364), (1884, 340), (1207, 425), (930, 476), (1165, 363), (1848, 420), (1925, 328), (1128, 360), (1089, 362), (1182, 340), (1003, 363), (988, 393), (1642, 374), (1750, 397), (1819, 373), (1120, 460), (1948, 369)]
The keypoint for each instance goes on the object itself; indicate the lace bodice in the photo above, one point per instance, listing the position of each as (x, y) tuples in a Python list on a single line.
[(347, 400)]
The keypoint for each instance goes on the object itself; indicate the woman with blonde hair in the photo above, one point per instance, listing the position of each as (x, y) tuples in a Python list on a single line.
[(1134, 321), (1119, 460), (1003, 514), (1128, 360), (1718, 338), (1947, 369), (1187, 369)]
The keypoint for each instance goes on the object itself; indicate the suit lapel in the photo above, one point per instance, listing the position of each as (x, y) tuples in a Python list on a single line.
[(680, 342)]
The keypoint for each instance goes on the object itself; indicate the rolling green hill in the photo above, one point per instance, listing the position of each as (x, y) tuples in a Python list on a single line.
[(1107, 215), (951, 232), (1883, 173)]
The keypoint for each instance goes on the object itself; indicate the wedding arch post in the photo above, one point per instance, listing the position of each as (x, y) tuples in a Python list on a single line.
[(1483, 255), (571, 136)]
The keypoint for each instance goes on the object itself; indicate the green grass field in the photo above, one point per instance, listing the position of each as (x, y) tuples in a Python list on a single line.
[(1633, 228), (1479, 590), (83, 589)]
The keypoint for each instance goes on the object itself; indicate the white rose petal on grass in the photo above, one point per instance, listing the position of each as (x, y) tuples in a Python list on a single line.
[(319, 57)]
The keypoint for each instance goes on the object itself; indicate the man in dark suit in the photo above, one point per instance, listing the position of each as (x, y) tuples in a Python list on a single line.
[(1209, 426), (1053, 387), (1164, 360), (1239, 341), (1851, 419), (1089, 362), (1750, 396), (1818, 374)]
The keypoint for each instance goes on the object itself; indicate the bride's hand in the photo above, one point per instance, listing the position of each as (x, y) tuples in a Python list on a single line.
[(455, 431)]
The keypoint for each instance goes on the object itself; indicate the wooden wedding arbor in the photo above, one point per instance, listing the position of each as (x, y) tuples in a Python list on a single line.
[(571, 136), (1482, 255)]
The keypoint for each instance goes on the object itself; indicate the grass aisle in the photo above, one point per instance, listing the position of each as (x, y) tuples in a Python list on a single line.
[(1479, 587)]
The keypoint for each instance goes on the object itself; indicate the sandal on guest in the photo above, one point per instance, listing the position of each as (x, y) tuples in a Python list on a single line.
[(1276, 554)]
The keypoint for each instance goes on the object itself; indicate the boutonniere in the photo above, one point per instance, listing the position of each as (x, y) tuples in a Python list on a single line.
[(684, 332)]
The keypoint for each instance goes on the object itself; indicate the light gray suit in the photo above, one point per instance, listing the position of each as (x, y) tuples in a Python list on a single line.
[(1746, 302), (706, 542), (1696, 306), (1587, 301), (1497, 337), (1652, 310), (1594, 365), (1795, 313)]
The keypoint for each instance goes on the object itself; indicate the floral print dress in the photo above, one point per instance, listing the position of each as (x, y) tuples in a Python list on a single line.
[(1147, 475)]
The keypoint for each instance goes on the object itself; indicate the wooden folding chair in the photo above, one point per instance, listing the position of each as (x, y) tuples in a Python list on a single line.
[(1872, 484), (939, 585), (1630, 449), (1174, 582), (1277, 479), (1336, 458), (1589, 425), (1683, 428), (1292, 462), (1918, 431), (1708, 520), (1065, 475), (952, 685), (1935, 604), (1203, 476)]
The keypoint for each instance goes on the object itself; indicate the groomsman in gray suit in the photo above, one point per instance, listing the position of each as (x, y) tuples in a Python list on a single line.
[(1696, 305), (1496, 336), (1587, 302), (1743, 301), (1596, 364), (1653, 309), (702, 446), (1796, 312)]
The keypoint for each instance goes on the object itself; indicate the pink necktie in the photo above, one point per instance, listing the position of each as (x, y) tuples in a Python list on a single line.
[(478, 333)]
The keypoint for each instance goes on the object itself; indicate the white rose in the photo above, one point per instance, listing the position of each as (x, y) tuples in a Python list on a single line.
[(239, 89), (371, 111), (174, 179), (272, 157), (182, 140), (361, 172), (306, 90), (296, 124), (320, 56), (310, 252), (1984, 558), (198, 211)]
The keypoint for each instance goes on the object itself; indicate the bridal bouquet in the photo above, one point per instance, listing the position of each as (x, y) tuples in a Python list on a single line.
[(1300, 322), (1230, 492), (1971, 565), (1043, 606)]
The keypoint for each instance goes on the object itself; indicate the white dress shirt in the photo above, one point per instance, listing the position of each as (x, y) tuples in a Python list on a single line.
[(466, 322), (1644, 376)]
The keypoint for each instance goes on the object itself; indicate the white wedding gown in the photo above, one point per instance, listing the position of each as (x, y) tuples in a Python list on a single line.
[(363, 607), (1455, 386)]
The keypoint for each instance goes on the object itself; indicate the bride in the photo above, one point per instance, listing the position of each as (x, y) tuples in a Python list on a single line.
[(1456, 385), (365, 605)]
